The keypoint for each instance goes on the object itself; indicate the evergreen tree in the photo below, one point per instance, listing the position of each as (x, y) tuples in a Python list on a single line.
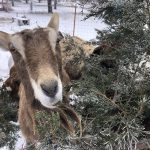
[(114, 93), (8, 113)]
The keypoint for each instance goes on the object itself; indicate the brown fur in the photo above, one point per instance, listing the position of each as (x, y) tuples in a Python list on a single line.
[(26, 117), (74, 51), (26, 111)]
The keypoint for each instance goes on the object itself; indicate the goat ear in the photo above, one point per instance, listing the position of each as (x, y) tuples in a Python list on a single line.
[(4, 40), (54, 22)]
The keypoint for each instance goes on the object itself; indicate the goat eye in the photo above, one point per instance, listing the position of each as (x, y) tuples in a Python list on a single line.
[(12, 48)]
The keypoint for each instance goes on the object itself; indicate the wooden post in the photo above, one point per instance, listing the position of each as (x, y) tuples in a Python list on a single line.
[(31, 6), (74, 24)]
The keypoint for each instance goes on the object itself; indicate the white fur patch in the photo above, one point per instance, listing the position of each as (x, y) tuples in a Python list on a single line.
[(44, 99), (8, 88)]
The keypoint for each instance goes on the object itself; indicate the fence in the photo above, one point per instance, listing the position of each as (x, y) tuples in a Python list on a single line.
[(69, 22)]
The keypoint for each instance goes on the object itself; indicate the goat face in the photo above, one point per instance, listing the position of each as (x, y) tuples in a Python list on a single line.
[(36, 48)]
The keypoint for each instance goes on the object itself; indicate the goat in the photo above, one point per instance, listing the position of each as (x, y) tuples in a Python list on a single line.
[(38, 62)]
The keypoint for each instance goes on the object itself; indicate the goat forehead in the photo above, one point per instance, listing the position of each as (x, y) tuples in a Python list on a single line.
[(40, 33), (41, 38), (34, 36)]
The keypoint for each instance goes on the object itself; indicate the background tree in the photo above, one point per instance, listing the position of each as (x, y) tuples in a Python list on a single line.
[(49, 4), (82, 4), (114, 92)]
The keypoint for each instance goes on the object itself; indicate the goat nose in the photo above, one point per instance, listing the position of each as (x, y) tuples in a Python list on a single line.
[(50, 89)]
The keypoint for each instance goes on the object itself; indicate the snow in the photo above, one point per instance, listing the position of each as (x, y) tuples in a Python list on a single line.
[(20, 143), (73, 99), (4, 68), (39, 18)]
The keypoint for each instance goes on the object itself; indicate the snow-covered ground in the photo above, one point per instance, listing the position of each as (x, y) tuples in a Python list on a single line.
[(20, 143), (39, 17)]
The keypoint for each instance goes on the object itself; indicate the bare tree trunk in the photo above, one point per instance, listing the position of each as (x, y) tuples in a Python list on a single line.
[(49, 3), (26, 1), (55, 4), (6, 9), (82, 11), (12, 2)]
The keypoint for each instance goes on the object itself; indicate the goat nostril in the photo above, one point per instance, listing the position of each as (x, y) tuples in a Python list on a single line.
[(50, 89)]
